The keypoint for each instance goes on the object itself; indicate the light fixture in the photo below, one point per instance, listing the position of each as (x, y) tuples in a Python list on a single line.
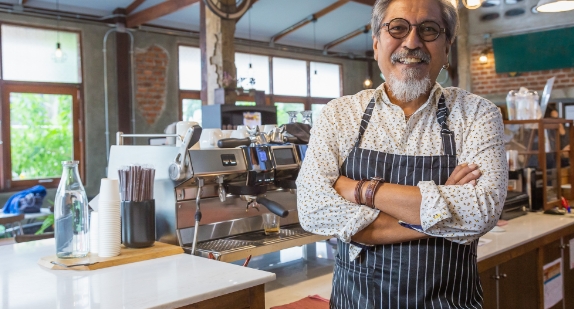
[(367, 83), (59, 55), (472, 4), (554, 6), (483, 58)]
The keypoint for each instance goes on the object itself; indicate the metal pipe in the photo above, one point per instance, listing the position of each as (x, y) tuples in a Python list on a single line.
[(106, 100)]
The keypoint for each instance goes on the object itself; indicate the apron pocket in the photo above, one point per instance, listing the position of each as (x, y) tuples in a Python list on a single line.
[(352, 285)]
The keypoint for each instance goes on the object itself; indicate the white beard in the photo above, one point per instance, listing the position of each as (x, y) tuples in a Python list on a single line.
[(411, 87)]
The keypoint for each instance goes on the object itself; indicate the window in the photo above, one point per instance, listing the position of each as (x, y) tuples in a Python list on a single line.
[(259, 71), (190, 83), (316, 108), (28, 55), (325, 80), (41, 111), (189, 68), (289, 77)]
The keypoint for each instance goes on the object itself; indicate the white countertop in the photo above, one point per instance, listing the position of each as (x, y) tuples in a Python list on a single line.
[(167, 282), (522, 230)]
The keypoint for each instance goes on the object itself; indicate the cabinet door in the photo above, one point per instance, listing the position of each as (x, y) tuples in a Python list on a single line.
[(550, 253), (518, 284), (488, 282), (568, 273)]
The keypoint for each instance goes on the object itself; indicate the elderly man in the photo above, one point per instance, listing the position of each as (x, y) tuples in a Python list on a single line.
[(407, 176)]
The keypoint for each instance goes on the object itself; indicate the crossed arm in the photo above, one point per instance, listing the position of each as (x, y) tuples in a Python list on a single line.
[(398, 202)]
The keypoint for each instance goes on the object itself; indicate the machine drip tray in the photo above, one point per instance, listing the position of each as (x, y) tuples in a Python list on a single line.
[(255, 243)]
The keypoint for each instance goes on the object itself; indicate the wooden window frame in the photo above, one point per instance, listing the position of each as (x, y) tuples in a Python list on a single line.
[(78, 121), (74, 90)]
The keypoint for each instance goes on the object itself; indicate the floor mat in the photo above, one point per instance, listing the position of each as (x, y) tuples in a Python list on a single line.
[(309, 302)]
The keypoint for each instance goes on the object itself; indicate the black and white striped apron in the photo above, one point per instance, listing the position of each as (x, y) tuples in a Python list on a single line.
[(426, 273)]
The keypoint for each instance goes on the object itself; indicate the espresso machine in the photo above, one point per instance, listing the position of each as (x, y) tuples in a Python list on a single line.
[(211, 201)]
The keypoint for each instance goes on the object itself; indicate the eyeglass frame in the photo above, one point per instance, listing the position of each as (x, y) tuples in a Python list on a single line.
[(441, 29)]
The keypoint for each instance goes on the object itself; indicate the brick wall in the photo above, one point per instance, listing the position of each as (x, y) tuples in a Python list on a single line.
[(485, 81), (151, 81)]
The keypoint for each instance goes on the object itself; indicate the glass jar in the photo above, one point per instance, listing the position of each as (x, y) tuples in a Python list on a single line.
[(292, 116), (71, 227), (307, 117)]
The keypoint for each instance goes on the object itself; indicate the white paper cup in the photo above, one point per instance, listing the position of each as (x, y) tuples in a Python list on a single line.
[(109, 190)]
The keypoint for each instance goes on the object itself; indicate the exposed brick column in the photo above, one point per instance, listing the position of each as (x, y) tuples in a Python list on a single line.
[(151, 81), (217, 51)]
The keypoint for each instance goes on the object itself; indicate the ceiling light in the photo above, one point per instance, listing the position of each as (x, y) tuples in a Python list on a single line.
[(483, 59), (472, 4), (554, 6), (367, 83)]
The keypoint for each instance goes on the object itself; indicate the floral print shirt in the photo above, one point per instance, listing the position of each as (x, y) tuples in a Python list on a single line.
[(459, 213)]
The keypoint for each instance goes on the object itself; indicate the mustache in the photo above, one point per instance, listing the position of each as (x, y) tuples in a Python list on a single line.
[(410, 53)]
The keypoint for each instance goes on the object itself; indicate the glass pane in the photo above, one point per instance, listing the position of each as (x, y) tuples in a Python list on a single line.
[(41, 134), (325, 80), (283, 108), (243, 103), (28, 54), (259, 71), (191, 110), (189, 68), (317, 108), (289, 77)]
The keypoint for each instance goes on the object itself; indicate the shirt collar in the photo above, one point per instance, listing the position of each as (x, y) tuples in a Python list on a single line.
[(382, 97)]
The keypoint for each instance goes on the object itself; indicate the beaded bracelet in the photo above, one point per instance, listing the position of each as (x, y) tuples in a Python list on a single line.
[(371, 190), (358, 191)]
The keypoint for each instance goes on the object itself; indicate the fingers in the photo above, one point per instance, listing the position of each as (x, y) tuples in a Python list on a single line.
[(470, 178), (463, 174)]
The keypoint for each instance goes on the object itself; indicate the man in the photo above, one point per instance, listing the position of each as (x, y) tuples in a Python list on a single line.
[(407, 176)]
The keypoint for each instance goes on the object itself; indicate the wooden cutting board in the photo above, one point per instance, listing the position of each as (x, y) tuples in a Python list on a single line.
[(127, 255)]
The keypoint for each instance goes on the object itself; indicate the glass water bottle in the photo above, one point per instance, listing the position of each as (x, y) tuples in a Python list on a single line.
[(71, 214)]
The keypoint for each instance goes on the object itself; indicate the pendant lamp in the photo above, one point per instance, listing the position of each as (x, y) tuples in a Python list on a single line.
[(472, 4)]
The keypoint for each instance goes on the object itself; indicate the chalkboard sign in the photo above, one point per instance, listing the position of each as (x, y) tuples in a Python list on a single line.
[(553, 49)]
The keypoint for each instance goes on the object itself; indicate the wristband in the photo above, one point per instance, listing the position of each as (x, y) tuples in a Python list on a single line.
[(358, 191), (371, 190)]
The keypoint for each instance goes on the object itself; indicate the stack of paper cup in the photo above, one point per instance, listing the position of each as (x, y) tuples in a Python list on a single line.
[(94, 223), (109, 233)]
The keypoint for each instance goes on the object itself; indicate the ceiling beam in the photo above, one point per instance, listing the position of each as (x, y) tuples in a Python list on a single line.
[(307, 20), (157, 11), (346, 37), (367, 2), (134, 5)]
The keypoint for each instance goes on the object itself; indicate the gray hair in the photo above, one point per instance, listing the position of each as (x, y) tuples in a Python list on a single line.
[(448, 11)]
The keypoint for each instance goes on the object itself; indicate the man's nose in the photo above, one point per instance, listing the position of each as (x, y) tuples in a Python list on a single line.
[(412, 40)]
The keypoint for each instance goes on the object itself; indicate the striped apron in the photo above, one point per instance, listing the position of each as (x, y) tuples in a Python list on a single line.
[(426, 273)]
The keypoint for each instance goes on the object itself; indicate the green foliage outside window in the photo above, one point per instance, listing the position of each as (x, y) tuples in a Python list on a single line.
[(41, 134), (283, 108)]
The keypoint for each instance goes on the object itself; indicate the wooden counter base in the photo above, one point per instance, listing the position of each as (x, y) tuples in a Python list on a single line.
[(252, 298)]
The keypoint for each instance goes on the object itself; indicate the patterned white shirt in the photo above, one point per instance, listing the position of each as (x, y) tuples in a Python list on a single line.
[(459, 213)]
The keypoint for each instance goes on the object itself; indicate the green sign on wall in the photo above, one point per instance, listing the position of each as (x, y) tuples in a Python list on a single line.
[(553, 49)]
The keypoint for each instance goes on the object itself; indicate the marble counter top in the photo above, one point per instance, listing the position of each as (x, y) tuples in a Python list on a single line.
[(167, 282), (522, 230)]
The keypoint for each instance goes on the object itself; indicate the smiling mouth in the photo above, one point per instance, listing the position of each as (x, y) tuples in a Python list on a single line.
[(410, 60)]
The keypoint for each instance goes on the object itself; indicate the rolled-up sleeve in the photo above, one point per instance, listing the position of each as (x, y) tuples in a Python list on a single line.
[(321, 209), (464, 213)]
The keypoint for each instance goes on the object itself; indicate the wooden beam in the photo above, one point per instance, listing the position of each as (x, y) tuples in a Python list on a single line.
[(346, 37), (157, 11), (133, 6), (308, 19), (366, 2)]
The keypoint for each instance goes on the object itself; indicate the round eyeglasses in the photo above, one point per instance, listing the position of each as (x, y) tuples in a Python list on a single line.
[(428, 31)]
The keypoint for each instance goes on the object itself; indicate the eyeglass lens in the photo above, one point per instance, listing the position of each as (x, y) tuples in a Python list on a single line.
[(428, 31)]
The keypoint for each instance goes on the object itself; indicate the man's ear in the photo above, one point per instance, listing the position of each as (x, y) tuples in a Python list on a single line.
[(375, 47)]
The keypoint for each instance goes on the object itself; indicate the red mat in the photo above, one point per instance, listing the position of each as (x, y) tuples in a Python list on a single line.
[(309, 302)]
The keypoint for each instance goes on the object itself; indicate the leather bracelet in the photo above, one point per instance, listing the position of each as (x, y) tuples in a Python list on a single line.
[(371, 190), (358, 191)]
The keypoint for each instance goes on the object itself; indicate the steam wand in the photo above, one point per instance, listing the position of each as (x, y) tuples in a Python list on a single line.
[(197, 213)]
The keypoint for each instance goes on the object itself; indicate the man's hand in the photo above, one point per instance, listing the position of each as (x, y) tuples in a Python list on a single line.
[(463, 174)]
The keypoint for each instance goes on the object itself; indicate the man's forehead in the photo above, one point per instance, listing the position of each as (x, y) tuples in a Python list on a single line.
[(414, 10)]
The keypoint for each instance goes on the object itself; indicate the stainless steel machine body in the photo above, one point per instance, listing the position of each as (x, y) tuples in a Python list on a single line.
[(231, 226)]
